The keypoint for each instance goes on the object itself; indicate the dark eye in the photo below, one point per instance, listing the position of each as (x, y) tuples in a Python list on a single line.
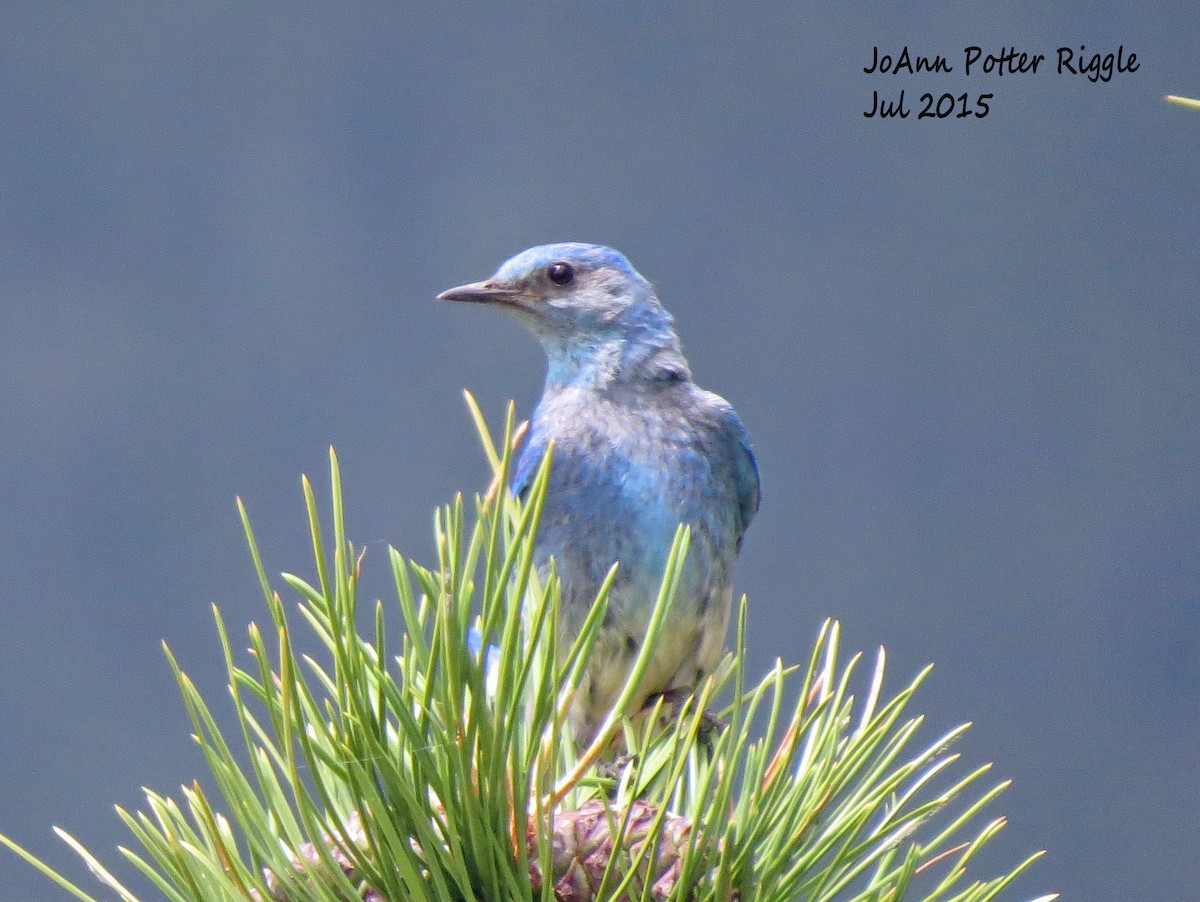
[(560, 273)]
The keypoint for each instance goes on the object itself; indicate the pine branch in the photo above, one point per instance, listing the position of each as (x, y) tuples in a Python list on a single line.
[(444, 768)]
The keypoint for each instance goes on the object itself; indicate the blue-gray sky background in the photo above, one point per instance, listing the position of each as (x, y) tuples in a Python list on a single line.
[(967, 352)]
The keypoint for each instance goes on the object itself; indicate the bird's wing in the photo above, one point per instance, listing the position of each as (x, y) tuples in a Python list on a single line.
[(748, 484), (527, 464), (744, 466)]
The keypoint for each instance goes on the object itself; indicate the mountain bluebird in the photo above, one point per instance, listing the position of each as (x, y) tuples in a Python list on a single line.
[(638, 449)]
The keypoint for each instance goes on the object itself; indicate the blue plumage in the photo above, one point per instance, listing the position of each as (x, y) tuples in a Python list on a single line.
[(638, 449)]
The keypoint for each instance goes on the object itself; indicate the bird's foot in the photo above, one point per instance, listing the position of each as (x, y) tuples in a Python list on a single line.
[(674, 699), (612, 769)]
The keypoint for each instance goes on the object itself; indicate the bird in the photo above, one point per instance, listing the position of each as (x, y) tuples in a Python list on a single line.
[(638, 450)]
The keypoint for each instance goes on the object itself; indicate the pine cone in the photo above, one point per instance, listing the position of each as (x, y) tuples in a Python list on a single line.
[(581, 846)]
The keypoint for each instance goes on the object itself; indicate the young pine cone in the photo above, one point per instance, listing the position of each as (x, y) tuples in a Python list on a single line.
[(581, 846)]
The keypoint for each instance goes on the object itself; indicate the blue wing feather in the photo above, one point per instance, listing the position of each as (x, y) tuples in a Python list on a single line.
[(527, 464), (746, 480)]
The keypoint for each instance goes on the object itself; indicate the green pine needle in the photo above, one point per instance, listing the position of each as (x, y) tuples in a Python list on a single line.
[(427, 773)]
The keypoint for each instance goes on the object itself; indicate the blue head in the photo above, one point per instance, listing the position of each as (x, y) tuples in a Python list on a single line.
[(597, 318)]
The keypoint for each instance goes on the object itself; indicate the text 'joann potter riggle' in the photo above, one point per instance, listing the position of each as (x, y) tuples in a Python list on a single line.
[(1095, 67)]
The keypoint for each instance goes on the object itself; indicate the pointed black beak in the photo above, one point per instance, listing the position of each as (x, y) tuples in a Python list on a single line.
[(488, 292)]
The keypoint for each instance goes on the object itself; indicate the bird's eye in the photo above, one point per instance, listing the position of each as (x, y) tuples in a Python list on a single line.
[(560, 273)]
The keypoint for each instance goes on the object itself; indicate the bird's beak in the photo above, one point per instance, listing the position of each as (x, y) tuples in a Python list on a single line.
[(488, 292)]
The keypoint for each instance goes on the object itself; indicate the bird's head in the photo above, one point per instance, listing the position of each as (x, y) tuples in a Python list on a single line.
[(591, 310)]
